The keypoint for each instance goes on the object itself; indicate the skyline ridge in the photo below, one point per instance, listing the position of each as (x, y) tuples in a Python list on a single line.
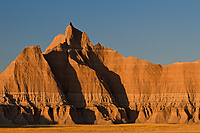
[(161, 32)]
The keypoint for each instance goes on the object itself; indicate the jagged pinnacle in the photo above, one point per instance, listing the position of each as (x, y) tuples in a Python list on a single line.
[(70, 24)]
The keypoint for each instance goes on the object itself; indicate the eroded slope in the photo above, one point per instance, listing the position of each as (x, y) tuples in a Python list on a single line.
[(76, 82)]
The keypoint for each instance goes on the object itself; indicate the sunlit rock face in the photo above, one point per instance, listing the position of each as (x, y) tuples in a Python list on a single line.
[(75, 82)]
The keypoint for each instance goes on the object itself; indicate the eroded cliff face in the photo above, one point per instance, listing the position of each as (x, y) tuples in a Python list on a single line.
[(74, 82)]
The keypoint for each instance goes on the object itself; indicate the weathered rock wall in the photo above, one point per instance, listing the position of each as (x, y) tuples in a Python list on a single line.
[(74, 82), (152, 88)]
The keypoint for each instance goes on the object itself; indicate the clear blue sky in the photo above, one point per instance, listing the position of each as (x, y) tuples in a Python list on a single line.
[(160, 31)]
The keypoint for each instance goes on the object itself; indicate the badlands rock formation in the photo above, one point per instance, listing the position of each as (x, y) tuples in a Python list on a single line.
[(74, 82)]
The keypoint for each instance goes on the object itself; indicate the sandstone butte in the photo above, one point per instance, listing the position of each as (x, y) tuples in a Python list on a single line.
[(74, 82)]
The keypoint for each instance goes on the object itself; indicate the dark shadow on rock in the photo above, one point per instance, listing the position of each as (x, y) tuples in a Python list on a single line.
[(110, 80), (10, 111), (88, 115), (188, 113), (58, 61), (66, 76), (76, 116), (36, 113), (10, 99), (27, 116), (50, 112), (44, 121), (132, 115), (103, 111)]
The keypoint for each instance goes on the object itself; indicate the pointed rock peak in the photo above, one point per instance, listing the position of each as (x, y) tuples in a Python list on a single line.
[(59, 39), (85, 37), (72, 35), (71, 31), (73, 38), (98, 44), (70, 24)]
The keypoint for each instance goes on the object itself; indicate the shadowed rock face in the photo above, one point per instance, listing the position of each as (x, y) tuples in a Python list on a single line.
[(74, 82)]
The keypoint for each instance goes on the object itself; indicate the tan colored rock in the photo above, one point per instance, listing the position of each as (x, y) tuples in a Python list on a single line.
[(64, 115), (45, 116), (141, 116), (196, 116), (184, 116), (174, 117), (74, 82), (59, 39), (29, 80)]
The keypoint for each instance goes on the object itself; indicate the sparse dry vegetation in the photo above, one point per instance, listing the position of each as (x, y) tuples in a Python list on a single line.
[(152, 128)]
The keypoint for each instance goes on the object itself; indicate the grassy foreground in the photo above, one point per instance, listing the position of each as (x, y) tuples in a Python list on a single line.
[(175, 128)]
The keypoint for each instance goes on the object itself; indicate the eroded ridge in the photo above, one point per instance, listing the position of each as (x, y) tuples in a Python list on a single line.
[(74, 82)]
